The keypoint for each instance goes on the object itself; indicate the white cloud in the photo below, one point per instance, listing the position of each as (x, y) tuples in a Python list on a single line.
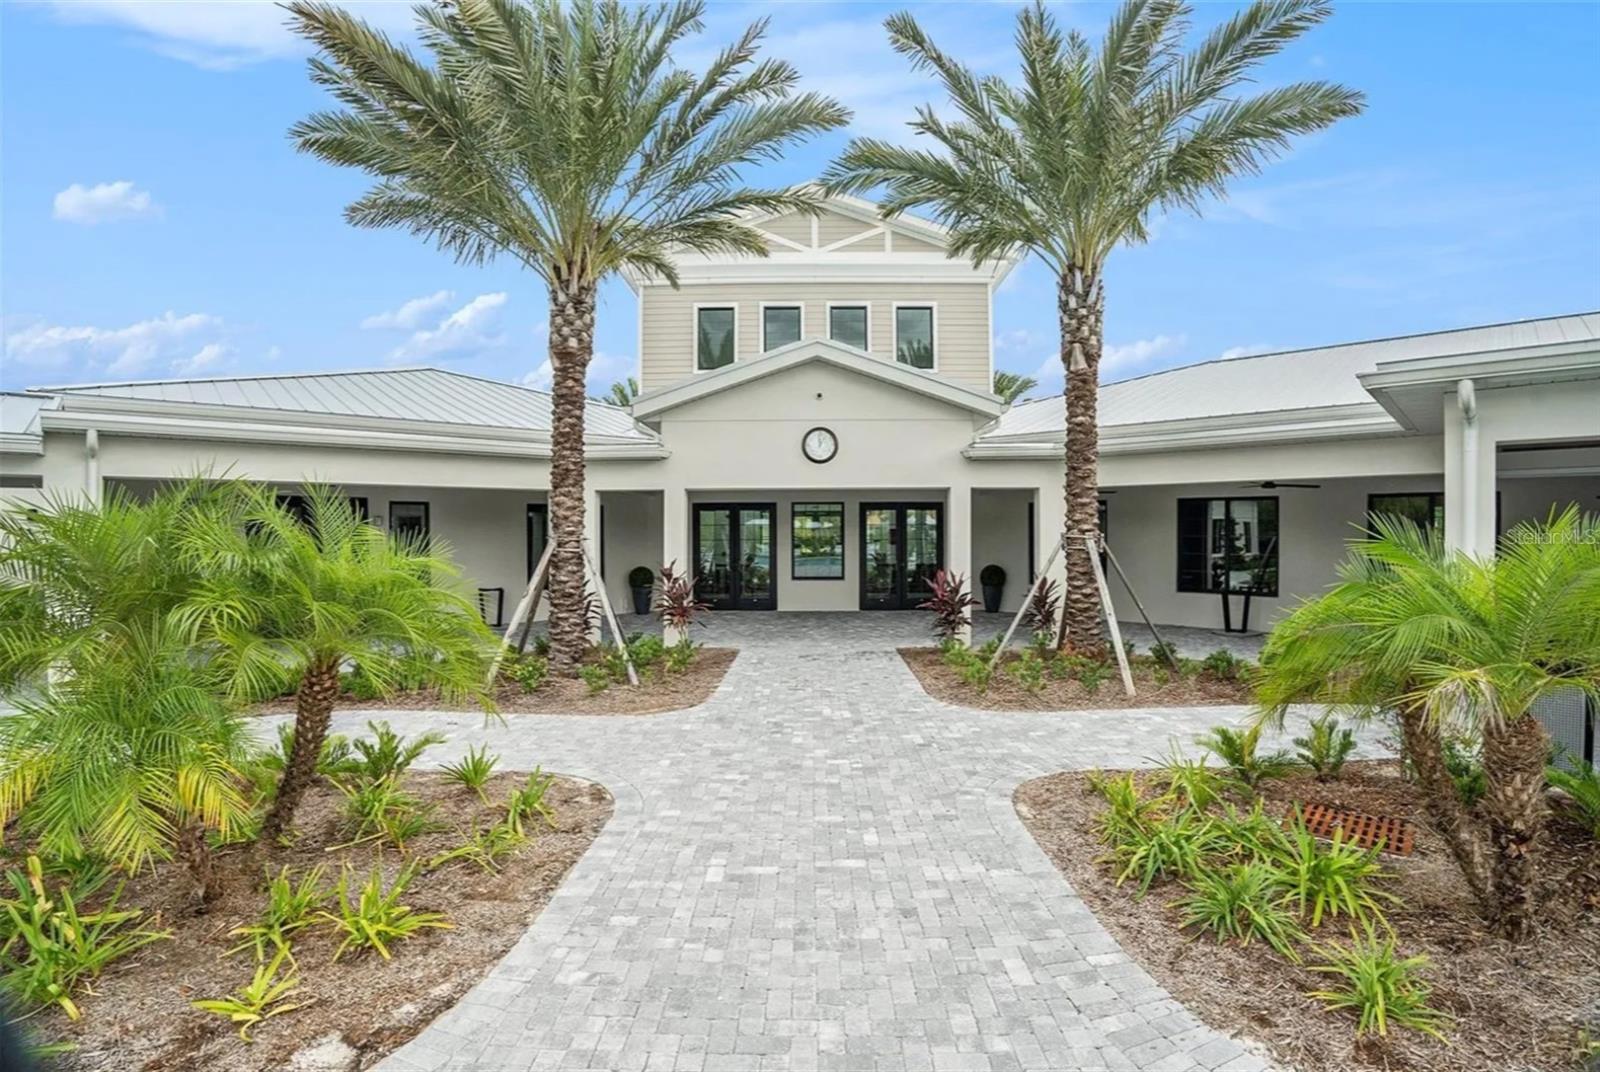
[(119, 351), (103, 202), (604, 370), (474, 326), (204, 358), (216, 35), (412, 314), (1116, 360), (1245, 351)]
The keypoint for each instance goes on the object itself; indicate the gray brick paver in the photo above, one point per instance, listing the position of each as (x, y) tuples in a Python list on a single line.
[(819, 868)]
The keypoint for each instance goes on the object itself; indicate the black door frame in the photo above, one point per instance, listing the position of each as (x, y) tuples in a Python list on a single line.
[(902, 599), (737, 599), (542, 510)]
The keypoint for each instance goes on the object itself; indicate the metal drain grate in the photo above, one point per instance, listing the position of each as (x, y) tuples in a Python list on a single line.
[(1395, 835)]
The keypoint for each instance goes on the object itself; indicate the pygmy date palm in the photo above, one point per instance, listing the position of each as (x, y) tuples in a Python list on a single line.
[(1450, 643), (1072, 162), (285, 601), (566, 138)]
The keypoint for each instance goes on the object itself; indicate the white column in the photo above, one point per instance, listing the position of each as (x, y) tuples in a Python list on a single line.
[(591, 540), (958, 542), (92, 485), (1470, 477), (675, 539), (1049, 515)]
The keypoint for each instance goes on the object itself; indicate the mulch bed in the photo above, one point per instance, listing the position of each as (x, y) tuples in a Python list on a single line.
[(1516, 1007), (658, 692), (1005, 693), (139, 1016)]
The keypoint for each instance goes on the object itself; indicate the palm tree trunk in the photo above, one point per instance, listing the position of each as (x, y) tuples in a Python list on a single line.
[(1081, 307), (1461, 832), (571, 347), (1514, 755), (313, 712), (196, 855)]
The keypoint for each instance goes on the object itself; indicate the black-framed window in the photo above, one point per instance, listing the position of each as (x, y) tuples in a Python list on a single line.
[(1425, 509), (21, 480), (713, 335), (913, 335), (816, 541), (780, 326), (538, 534), (848, 324), (1228, 545), (409, 520)]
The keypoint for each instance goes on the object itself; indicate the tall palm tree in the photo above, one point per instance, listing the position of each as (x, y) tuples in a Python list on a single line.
[(288, 601), (623, 392), (1453, 643), (566, 138), (1071, 164), (1011, 386)]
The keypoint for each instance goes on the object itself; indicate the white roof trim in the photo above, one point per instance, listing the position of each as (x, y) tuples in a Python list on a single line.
[(804, 352)]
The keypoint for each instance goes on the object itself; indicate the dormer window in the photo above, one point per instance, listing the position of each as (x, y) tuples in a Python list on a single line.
[(780, 326), (913, 335), (848, 324), (714, 330)]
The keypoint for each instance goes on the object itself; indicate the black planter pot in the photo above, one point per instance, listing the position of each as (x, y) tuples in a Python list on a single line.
[(641, 600), (991, 597)]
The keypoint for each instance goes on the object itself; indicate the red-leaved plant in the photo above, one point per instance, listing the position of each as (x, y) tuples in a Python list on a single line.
[(1040, 617), (677, 606), (949, 603)]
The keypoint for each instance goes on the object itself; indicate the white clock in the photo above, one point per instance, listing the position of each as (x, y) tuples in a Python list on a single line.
[(819, 445)]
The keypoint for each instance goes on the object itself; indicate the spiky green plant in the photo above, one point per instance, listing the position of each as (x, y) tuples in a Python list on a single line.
[(1241, 901), (1325, 747), (287, 599), (473, 770), (484, 847), (528, 801), (291, 907), (1240, 751), (567, 138), (382, 810), (1456, 644), (1335, 879), (1171, 847), (1190, 781), (1073, 161), (266, 995), (387, 754), (374, 918), (1581, 786), (1382, 988)]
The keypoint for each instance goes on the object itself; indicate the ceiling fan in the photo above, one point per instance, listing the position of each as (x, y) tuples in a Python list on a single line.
[(1268, 485)]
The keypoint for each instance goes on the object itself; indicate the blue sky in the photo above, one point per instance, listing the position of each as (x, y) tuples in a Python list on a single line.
[(155, 221)]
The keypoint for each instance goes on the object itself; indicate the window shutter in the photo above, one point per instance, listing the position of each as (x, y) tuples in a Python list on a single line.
[(1191, 545)]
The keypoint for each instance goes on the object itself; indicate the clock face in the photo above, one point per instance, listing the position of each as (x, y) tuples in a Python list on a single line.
[(819, 445)]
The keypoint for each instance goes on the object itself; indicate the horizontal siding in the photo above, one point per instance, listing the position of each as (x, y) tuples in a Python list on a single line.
[(795, 227), (961, 322), (832, 227)]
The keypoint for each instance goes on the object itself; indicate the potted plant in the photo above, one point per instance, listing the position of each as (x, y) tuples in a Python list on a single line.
[(993, 579), (641, 580)]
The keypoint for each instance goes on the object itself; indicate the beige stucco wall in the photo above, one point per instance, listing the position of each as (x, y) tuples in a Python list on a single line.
[(961, 322)]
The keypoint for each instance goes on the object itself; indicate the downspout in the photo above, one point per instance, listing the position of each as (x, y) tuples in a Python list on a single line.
[(1467, 400), (91, 464)]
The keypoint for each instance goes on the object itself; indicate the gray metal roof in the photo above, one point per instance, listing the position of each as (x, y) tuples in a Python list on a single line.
[(1289, 380), (19, 421), (430, 395)]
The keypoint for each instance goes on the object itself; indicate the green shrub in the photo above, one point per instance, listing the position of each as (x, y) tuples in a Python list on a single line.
[(1250, 835), (641, 577), (529, 801), (1380, 987), (1189, 669), (1091, 675), (1171, 847), (359, 685), (1325, 747), (388, 754), (1337, 878), (1028, 669), (647, 651), (681, 655), (336, 758), (381, 809), (1163, 653), (529, 672), (1582, 788), (473, 770), (1224, 665), (484, 847), (1465, 765), (291, 907), (374, 918), (1240, 751), (262, 998), (1189, 781), (1241, 901), (53, 947), (596, 676), (992, 576), (1128, 810)]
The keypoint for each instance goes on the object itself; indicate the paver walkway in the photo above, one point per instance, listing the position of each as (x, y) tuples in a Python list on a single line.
[(818, 868)]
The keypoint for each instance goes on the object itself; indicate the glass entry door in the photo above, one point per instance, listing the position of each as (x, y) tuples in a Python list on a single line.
[(733, 555), (902, 547)]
